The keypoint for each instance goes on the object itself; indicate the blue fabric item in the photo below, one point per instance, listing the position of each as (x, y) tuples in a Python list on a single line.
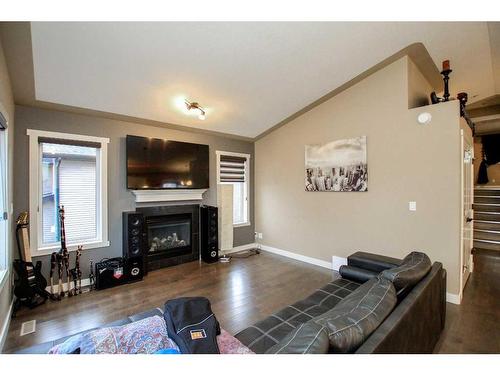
[(167, 351)]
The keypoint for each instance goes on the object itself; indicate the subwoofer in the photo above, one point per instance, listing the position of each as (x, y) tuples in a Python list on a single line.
[(134, 268), (209, 234), (134, 245)]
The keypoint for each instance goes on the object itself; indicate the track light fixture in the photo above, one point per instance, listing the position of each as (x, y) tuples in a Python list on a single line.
[(195, 107)]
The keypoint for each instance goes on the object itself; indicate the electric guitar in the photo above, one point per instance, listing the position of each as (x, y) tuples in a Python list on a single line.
[(30, 284)]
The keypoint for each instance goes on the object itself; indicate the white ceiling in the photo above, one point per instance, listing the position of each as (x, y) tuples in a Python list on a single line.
[(248, 76)]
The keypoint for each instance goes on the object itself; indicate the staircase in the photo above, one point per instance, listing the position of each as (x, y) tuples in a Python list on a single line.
[(487, 218)]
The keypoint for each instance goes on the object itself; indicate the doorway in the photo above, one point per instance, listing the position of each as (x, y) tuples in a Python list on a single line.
[(467, 209), (4, 223)]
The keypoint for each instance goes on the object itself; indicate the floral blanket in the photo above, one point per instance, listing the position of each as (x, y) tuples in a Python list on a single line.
[(145, 336)]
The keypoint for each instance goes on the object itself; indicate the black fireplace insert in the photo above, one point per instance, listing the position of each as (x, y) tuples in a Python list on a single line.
[(171, 235)]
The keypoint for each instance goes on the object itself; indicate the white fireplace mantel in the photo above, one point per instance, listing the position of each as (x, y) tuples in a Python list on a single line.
[(145, 196)]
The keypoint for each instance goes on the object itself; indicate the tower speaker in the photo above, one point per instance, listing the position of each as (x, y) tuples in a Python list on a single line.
[(134, 245), (209, 234)]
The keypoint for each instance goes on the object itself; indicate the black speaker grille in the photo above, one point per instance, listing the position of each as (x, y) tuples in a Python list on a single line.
[(133, 234), (209, 233)]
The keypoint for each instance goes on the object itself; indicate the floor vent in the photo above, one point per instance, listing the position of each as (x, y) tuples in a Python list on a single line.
[(28, 327)]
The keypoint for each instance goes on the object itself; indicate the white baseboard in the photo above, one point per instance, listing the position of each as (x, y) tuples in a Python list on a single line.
[(335, 265), (337, 262), (302, 258), (453, 298), (5, 327), (85, 282), (240, 248)]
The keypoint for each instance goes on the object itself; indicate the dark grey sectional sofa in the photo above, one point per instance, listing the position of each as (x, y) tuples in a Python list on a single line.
[(413, 325), (411, 322)]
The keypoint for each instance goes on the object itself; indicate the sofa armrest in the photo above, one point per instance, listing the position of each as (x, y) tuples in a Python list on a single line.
[(372, 262), (358, 275), (415, 325)]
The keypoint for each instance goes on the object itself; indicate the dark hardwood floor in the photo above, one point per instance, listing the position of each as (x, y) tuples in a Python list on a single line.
[(241, 292), (247, 290), (474, 325)]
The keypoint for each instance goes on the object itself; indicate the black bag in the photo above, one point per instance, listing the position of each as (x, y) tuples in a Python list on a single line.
[(482, 176), (192, 325)]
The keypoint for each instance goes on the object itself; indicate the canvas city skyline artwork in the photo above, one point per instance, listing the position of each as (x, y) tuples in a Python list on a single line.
[(337, 166)]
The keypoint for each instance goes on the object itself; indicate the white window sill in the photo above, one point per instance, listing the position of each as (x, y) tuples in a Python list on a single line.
[(73, 247), (3, 278), (242, 225)]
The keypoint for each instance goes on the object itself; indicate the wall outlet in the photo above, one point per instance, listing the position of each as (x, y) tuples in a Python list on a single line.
[(412, 206), (258, 235)]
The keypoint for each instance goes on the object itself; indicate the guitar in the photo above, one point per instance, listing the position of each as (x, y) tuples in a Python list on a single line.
[(29, 287), (22, 226)]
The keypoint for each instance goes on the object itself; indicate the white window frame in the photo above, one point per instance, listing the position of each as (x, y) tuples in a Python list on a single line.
[(35, 188), (247, 180), (4, 176)]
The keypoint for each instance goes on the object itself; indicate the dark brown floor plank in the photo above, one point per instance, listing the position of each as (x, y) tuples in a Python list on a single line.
[(474, 325)]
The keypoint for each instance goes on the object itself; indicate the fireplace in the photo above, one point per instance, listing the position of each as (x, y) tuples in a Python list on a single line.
[(171, 235)]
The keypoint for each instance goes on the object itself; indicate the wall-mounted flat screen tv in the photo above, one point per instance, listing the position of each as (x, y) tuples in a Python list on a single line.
[(164, 164)]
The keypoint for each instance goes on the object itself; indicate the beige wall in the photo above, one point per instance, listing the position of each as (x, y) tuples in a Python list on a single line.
[(401, 167), (7, 108), (419, 88), (493, 170)]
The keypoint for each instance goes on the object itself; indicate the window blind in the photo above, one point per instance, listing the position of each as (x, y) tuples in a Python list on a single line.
[(3, 122), (78, 195), (69, 142), (232, 168)]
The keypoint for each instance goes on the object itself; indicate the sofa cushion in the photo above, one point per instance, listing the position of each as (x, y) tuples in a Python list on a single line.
[(412, 269), (415, 324), (359, 275), (372, 262), (266, 333), (308, 338), (352, 321)]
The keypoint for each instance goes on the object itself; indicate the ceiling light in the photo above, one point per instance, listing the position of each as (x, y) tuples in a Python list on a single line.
[(196, 109)]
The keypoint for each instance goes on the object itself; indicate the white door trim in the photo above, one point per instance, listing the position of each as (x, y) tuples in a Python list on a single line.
[(465, 266)]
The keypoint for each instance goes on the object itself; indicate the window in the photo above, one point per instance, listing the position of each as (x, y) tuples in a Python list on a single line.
[(4, 222), (67, 170), (234, 168)]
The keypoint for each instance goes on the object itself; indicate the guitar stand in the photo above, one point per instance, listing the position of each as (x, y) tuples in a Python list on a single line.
[(36, 300), (53, 297)]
